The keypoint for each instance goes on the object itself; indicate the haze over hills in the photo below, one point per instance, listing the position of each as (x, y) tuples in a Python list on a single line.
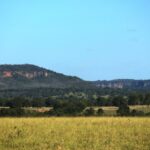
[(123, 83), (31, 76)]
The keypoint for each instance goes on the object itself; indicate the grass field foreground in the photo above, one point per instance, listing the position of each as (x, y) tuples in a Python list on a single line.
[(75, 133)]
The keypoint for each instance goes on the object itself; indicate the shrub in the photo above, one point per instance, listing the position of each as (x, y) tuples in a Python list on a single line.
[(123, 110), (89, 112), (17, 112), (137, 113), (100, 112)]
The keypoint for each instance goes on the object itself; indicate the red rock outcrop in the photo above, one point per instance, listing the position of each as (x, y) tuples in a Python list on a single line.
[(7, 74)]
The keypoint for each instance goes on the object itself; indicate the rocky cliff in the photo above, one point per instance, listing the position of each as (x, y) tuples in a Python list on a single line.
[(30, 76), (126, 83)]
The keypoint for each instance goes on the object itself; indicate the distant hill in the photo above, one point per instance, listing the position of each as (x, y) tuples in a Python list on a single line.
[(123, 84), (31, 76)]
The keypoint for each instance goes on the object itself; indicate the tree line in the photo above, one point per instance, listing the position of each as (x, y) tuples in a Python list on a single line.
[(131, 99), (74, 106)]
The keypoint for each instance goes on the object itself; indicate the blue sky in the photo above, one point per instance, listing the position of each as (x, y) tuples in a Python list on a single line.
[(92, 39)]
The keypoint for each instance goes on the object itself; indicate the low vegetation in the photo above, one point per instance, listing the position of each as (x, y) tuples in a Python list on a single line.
[(139, 110), (74, 133), (77, 106)]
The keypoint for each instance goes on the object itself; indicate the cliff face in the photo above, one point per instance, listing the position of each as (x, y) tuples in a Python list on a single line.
[(30, 76), (120, 84), (24, 71)]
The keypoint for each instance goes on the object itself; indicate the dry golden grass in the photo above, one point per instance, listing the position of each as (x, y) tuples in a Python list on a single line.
[(112, 111), (75, 133)]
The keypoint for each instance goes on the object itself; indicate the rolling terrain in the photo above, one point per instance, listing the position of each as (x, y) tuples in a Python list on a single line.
[(124, 84), (33, 81), (30, 77)]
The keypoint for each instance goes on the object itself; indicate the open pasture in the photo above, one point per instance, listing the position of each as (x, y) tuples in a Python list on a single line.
[(79, 133)]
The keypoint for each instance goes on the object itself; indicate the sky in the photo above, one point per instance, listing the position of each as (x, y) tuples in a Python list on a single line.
[(91, 39)]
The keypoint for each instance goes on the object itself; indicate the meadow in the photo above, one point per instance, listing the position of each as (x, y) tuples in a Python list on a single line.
[(108, 110), (80, 133), (112, 110)]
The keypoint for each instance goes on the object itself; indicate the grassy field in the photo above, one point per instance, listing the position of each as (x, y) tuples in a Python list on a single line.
[(112, 111), (75, 133), (108, 110), (144, 108)]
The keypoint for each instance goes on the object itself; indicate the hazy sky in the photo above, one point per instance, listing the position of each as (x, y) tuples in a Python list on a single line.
[(92, 39)]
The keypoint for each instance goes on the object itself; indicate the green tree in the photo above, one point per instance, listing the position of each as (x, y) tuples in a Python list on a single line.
[(123, 110), (100, 112), (147, 99), (134, 99), (89, 112)]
